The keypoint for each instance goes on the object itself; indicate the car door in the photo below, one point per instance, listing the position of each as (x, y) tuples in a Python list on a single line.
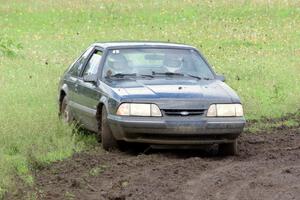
[(88, 93), (72, 80)]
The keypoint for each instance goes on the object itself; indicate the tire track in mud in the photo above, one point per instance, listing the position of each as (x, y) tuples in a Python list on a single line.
[(240, 180), (160, 178), (267, 167), (239, 186)]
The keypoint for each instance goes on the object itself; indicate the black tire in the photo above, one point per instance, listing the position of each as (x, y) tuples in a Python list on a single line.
[(99, 133), (65, 112), (108, 140), (228, 149)]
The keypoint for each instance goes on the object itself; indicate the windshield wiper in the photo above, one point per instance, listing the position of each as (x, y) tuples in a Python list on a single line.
[(197, 77), (122, 75), (206, 78), (167, 73), (146, 75), (179, 74)]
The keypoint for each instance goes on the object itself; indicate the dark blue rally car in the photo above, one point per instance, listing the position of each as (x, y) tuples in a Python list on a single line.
[(150, 92)]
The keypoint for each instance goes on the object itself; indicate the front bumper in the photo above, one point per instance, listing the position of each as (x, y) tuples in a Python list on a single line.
[(176, 130)]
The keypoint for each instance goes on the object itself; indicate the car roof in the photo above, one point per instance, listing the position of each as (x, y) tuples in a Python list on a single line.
[(132, 44)]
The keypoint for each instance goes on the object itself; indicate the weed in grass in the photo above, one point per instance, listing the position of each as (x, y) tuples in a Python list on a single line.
[(8, 47)]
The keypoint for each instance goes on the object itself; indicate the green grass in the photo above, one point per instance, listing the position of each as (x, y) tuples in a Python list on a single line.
[(256, 44)]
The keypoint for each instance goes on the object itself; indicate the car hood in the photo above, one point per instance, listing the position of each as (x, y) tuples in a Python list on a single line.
[(183, 92)]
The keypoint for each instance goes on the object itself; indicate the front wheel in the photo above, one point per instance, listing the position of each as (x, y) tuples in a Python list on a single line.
[(228, 149), (107, 138)]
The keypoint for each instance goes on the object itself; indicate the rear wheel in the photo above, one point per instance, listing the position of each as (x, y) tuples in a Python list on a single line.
[(228, 149), (65, 112), (108, 140)]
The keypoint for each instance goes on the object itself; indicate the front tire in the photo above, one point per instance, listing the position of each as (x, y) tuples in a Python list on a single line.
[(228, 149), (107, 138)]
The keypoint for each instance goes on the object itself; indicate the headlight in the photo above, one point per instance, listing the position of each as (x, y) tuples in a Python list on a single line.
[(139, 109), (225, 110)]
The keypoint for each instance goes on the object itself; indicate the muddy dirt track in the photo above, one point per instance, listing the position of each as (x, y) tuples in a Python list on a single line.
[(267, 167)]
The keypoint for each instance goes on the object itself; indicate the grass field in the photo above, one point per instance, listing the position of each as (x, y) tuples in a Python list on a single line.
[(255, 44)]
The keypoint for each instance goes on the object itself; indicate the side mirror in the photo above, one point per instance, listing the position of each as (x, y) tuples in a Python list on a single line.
[(90, 78), (221, 78)]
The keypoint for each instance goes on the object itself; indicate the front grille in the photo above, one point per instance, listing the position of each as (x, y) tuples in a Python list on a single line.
[(182, 112)]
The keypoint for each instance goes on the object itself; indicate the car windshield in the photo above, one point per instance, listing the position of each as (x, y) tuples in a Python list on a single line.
[(155, 62)]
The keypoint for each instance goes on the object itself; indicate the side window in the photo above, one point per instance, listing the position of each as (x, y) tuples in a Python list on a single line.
[(93, 64), (78, 65)]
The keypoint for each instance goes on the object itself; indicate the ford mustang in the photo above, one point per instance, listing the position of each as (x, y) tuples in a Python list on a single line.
[(150, 92)]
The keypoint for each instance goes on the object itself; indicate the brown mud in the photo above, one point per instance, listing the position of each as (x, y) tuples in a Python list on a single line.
[(266, 167)]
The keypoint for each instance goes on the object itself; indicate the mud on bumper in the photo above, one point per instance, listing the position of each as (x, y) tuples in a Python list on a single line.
[(176, 130)]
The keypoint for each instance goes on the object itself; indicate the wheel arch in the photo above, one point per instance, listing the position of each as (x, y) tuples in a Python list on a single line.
[(62, 93), (102, 104)]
